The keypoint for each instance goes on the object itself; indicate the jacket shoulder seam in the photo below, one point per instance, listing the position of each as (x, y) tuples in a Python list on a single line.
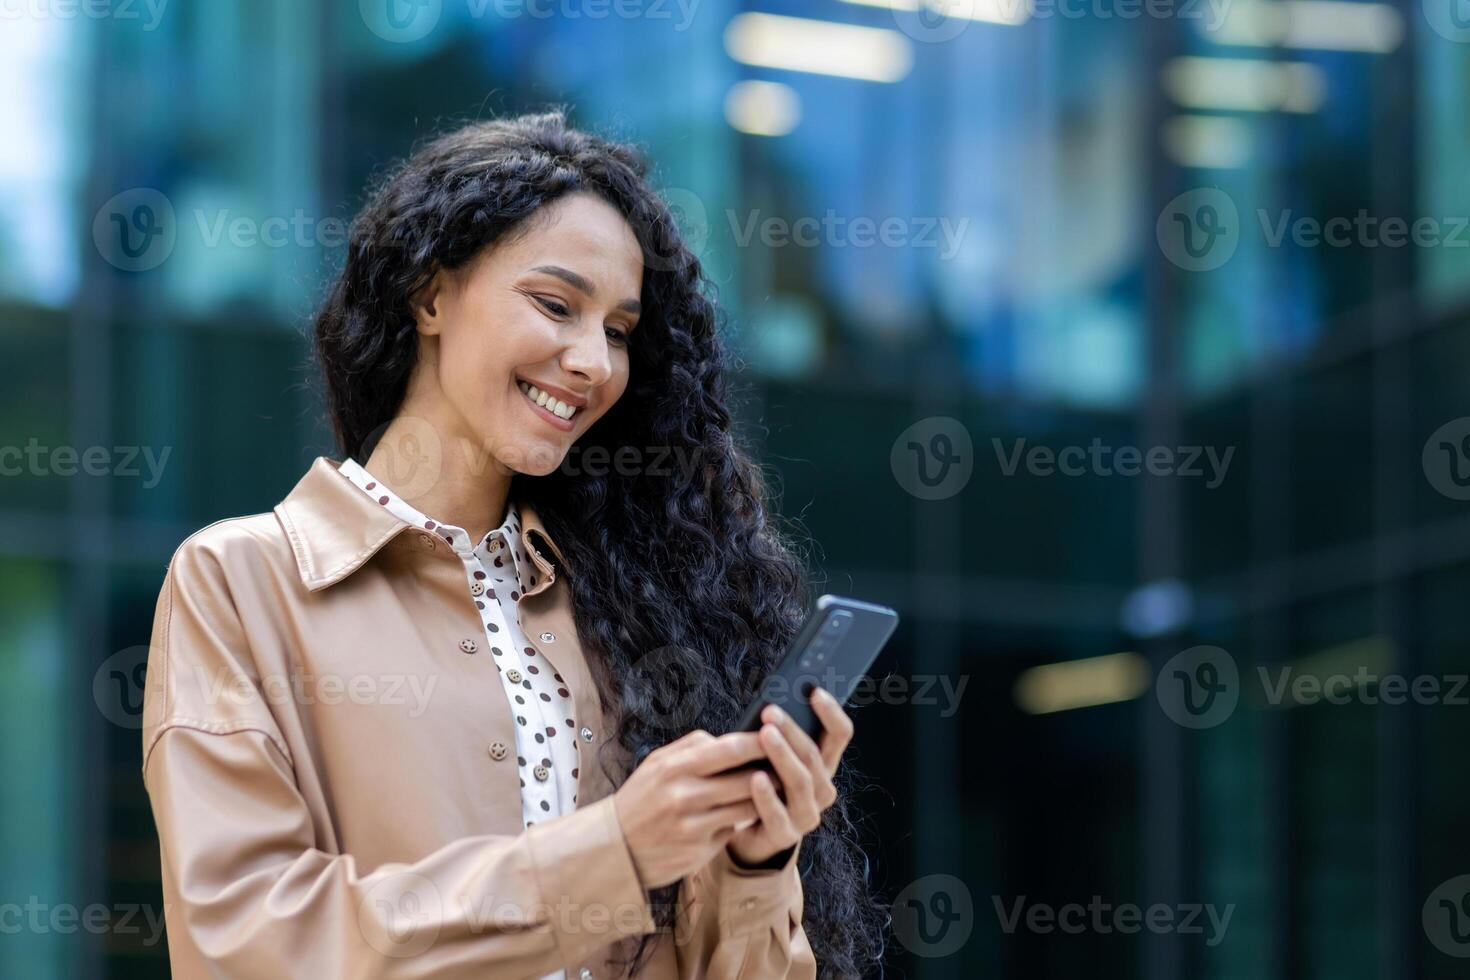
[(166, 657), (168, 624), (239, 519), (170, 584), (214, 728)]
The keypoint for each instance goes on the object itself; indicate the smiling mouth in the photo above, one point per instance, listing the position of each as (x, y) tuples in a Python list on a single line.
[(557, 409)]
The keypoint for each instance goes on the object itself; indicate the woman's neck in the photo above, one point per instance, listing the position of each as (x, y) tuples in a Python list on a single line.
[(448, 479)]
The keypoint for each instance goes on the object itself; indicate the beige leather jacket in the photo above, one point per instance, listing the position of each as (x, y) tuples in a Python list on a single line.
[(332, 769)]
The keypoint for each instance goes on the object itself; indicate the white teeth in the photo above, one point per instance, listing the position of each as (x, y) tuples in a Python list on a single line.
[(558, 408)]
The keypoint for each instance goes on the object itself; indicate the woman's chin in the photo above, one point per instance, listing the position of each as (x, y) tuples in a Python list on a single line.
[(533, 457)]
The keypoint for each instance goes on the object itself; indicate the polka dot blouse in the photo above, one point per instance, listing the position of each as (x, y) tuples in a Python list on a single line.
[(497, 570)]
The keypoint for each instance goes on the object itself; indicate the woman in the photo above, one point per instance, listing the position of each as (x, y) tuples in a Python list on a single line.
[(527, 387)]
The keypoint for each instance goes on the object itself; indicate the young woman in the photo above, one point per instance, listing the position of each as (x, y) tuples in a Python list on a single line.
[(460, 705)]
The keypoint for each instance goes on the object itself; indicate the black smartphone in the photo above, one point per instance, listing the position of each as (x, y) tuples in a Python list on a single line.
[(834, 649)]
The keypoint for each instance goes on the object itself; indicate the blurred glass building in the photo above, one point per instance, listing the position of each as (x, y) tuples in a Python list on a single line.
[(950, 233)]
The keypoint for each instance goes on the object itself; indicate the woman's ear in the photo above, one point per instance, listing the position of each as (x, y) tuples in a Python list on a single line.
[(428, 303)]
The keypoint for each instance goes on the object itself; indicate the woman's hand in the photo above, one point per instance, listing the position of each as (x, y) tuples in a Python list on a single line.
[(677, 809), (805, 772)]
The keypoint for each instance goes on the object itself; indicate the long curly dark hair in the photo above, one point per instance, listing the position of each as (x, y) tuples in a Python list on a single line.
[(689, 564)]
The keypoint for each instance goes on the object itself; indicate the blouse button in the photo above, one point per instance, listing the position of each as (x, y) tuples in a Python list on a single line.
[(586, 734), (513, 675), (468, 646), (477, 588), (586, 974), (541, 773), (497, 751), (547, 637), (427, 541)]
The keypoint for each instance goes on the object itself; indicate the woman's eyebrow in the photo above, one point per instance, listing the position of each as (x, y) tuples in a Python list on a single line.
[(582, 283)]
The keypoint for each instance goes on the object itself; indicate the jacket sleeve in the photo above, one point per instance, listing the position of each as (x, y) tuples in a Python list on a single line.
[(744, 924), (244, 881)]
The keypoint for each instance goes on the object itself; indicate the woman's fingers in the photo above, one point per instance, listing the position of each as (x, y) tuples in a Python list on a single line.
[(823, 791), (719, 790), (773, 813), (800, 741), (715, 755), (837, 726), (730, 815), (797, 778)]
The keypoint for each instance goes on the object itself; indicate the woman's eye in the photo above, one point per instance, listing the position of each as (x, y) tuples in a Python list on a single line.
[(552, 306), (617, 336)]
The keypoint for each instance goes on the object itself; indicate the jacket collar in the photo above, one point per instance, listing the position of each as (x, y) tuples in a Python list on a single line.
[(334, 528)]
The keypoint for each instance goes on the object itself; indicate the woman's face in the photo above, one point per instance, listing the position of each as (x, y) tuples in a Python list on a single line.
[(551, 309)]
